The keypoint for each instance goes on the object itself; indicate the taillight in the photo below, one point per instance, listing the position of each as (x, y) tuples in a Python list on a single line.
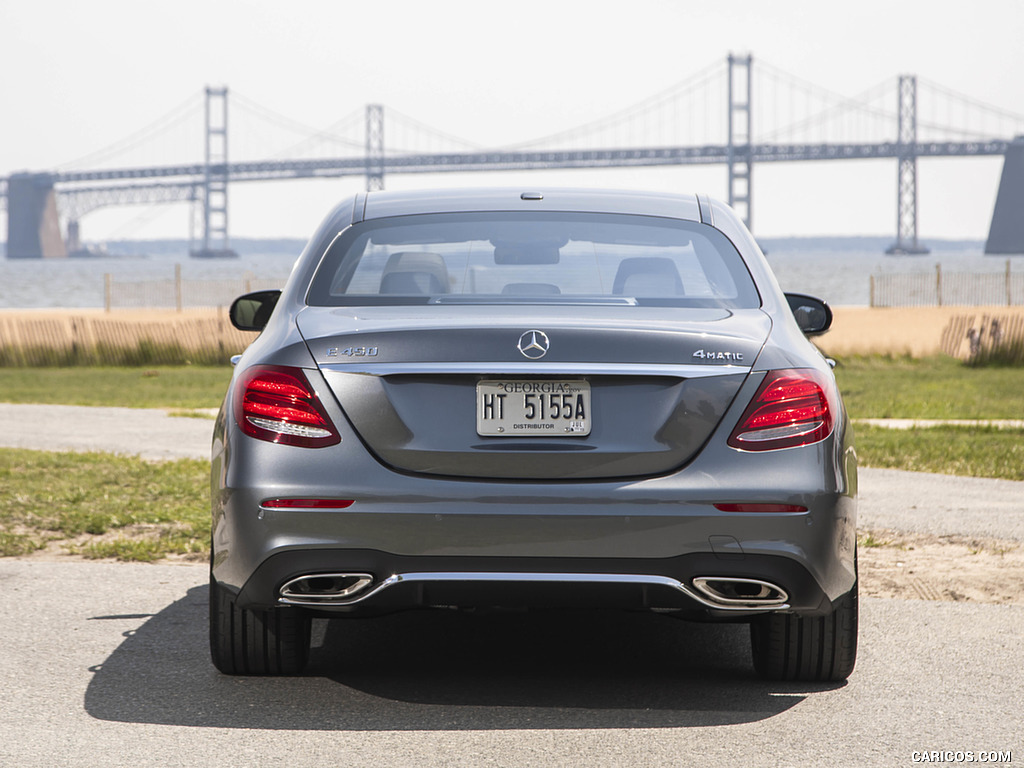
[(277, 404), (790, 408)]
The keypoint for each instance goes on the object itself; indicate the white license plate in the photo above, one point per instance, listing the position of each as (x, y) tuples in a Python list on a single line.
[(537, 408)]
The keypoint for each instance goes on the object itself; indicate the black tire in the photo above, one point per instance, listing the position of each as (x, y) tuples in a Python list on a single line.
[(268, 642), (808, 648)]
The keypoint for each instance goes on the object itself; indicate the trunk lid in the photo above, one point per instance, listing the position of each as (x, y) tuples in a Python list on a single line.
[(649, 386)]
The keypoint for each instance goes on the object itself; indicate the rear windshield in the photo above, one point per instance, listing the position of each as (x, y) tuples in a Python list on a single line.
[(549, 258)]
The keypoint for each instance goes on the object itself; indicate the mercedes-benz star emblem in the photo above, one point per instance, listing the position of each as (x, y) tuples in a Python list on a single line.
[(534, 344)]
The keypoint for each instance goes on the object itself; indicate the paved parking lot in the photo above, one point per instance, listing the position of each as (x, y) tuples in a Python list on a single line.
[(107, 664)]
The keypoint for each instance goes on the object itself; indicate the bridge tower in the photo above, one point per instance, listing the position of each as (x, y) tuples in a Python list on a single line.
[(1006, 233), (33, 229), (374, 147), (215, 178), (906, 204), (740, 136)]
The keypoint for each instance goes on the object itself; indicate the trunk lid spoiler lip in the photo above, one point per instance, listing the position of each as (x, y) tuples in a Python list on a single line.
[(527, 369)]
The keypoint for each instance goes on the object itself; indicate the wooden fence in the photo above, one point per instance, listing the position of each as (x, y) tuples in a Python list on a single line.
[(110, 340), (965, 336)]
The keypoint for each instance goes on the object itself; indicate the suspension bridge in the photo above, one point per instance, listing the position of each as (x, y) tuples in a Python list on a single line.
[(730, 113)]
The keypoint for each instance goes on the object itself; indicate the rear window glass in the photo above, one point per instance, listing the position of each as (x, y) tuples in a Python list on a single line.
[(560, 258)]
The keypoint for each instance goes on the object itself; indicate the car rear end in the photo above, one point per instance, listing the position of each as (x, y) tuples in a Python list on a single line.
[(410, 431)]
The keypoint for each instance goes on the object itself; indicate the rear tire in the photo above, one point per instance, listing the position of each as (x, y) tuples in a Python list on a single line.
[(808, 648), (274, 641)]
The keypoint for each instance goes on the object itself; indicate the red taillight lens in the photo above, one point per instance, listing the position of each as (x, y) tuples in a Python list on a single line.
[(791, 408), (307, 503), (277, 404), (760, 507)]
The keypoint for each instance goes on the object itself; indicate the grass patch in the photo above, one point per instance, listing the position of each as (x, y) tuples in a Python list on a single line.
[(180, 387), (869, 540), (947, 450), (928, 388), (145, 351), (102, 505)]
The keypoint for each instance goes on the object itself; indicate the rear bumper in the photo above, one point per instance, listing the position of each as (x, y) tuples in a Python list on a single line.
[(807, 555), (670, 584), (654, 529)]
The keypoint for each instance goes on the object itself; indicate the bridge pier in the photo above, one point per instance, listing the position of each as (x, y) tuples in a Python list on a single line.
[(73, 241), (1006, 233), (33, 228)]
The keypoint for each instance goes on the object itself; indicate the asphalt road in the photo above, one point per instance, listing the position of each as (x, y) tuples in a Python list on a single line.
[(149, 433), (106, 664)]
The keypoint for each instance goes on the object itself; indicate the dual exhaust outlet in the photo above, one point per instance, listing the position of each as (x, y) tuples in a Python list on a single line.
[(719, 592)]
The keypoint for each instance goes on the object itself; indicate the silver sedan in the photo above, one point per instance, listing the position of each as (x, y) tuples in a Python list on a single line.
[(538, 400)]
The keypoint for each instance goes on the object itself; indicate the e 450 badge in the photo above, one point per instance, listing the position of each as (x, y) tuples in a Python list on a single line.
[(352, 351)]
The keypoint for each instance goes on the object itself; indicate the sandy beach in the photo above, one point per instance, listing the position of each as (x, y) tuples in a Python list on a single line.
[(914, 331)]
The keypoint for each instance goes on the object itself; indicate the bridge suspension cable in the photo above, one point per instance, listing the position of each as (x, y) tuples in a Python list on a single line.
[(791, 109), (416, 137), (304, 139), (978, 119), (186, 114), (697, 86)]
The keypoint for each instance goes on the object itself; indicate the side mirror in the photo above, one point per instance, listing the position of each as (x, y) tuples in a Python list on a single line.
[(813, 316), (252, 311)]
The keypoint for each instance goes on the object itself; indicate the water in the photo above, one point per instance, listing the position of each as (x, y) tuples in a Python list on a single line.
[(837, 271), (842, 276), (79, 283)]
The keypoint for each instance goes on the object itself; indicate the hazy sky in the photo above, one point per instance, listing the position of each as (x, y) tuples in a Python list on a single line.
[(76, 77)]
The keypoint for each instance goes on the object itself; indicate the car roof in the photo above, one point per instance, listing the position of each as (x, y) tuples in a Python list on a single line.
[(374, 205)]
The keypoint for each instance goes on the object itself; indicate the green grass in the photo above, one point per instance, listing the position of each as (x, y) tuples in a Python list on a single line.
[(182, 387), (102, 505), (935, 388), (869, 540), (929, 388), (144, 352), (967, 451)]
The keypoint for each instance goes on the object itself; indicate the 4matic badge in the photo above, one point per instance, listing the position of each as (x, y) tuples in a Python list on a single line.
[(710, 354)]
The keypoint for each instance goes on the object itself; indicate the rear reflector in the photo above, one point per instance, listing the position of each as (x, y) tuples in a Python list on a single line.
[(277, 404), (760, 507), (307, 503), (791, 408)]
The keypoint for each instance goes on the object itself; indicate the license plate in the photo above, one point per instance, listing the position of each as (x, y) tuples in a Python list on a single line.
[(539, 408)]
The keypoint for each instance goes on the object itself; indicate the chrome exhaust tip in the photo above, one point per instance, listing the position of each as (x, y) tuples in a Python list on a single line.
[(324, 588), (734, 592)]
